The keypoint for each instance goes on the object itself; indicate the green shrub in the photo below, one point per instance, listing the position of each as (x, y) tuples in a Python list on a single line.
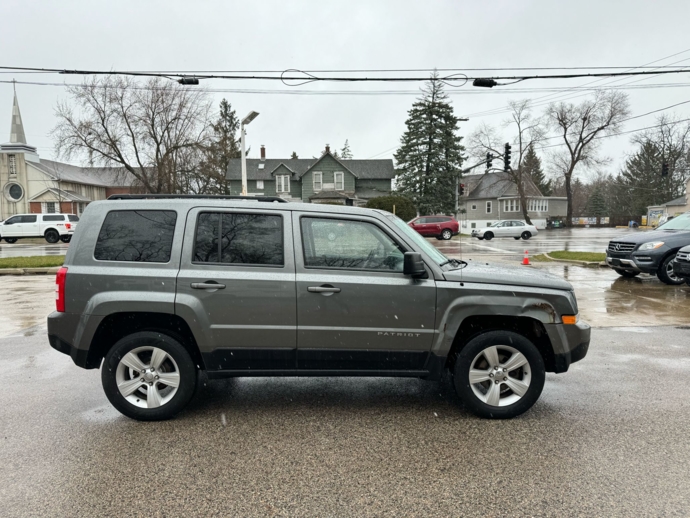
[(404, 208)]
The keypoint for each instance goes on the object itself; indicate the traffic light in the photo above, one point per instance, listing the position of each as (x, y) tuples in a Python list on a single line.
[(461, 189), (506, 157), (489, 160), (664, 169)]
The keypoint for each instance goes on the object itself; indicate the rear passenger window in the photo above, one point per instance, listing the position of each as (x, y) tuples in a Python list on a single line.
[(136, 235), (29, 219), (54, 218), (230, 238), (73, 218)]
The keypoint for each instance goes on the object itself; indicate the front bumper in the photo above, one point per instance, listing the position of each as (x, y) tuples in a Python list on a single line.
[(570, 343), (646, 261)]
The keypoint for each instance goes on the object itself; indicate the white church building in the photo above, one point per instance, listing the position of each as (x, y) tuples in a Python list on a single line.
[(31, 184)]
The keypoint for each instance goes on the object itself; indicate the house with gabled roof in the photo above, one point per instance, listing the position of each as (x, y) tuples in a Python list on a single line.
[(493, 196), (31, 184), (326, 179)]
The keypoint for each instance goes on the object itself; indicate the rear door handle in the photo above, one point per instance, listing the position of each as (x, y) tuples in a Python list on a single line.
[(323, 289), (209, 285)]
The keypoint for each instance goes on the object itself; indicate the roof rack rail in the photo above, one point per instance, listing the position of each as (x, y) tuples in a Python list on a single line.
[(195, 196)]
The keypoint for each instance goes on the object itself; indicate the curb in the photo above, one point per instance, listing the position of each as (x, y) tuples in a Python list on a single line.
[(581, 263), (29, 271)]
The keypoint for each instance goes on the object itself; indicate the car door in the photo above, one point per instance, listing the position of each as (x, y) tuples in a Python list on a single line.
[(237, 280), (420, 225), (356, 310), (11, 227), (29, 226), (518, 228)]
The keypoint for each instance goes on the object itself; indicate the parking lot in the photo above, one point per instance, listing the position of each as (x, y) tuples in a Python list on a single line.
[(602, 439)]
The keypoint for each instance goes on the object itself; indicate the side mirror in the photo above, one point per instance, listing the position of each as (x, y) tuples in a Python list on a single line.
[(413, 265)]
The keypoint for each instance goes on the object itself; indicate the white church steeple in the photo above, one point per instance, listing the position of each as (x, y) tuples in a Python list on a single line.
[(17, 131)]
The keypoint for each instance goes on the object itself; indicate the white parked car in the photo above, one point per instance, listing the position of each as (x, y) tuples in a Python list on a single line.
[(506, 228), (53, 227)]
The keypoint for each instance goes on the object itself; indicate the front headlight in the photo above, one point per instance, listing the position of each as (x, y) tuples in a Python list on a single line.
[(652, 246)]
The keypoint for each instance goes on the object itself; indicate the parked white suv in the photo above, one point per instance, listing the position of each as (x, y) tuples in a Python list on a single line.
[(53, 227)]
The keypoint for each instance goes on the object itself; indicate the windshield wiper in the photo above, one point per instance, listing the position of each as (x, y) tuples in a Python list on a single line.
[(456, 262)]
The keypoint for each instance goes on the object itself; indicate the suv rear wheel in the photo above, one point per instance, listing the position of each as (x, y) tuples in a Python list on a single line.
[(666, 274), (148, 376), (52, 236), (446, 234), (499, 374)]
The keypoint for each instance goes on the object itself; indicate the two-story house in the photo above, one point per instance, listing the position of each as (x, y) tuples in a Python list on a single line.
[(326, 179), (491, 197)]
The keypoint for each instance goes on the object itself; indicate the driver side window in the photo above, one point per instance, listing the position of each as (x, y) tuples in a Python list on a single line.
[(13, 220), (348, 244)]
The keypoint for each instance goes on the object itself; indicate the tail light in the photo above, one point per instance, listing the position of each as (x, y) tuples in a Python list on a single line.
[(60, 279), (68, 226)]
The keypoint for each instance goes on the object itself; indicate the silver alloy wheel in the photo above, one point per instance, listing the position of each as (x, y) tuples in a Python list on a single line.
[(147, 377), (446, 234), (671, 274), (500, 375)]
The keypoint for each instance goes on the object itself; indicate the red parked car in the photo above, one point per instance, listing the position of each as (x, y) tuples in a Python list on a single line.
[(440, 227)]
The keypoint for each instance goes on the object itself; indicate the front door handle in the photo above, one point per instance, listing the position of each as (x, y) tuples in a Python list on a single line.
[(323, 289), (208, 285)]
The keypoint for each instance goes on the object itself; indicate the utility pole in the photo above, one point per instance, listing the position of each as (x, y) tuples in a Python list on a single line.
[(457, 182)]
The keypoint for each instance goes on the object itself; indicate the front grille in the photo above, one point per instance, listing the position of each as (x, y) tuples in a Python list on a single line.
[(683, 256), (615, 246)]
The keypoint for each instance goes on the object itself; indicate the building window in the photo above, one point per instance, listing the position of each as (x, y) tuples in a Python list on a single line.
[(489, 208), (261, 166), (12, 164), (474, 206), (50, 207), (318, 181), (260, 184), (473, 225), (511, 205), (339, 181), (538, 205), (282, 183), (14, 192)]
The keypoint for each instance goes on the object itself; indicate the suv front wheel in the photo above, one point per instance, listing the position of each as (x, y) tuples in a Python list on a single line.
[(666, 274), (499, 374), (148, 376)]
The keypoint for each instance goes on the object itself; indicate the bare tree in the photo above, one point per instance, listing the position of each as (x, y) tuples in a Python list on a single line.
[(528, 131), (153, 130), (581, 126)]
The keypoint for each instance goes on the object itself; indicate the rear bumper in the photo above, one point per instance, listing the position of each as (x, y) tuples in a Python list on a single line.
[(62, 327), (570, 343)]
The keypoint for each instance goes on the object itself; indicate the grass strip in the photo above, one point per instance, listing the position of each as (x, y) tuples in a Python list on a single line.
[(578, 256), (34, 261)]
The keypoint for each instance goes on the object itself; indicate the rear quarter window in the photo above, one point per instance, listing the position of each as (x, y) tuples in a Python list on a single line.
[(58, 217), (136, 235), (73, 218)]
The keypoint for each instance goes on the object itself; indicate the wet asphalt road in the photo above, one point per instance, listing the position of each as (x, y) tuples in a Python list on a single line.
[(607, 438)]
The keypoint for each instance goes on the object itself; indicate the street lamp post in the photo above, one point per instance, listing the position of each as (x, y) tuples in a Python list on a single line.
[(252, 115)]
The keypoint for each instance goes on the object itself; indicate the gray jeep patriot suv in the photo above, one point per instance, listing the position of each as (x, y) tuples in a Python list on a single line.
[(157, 288)]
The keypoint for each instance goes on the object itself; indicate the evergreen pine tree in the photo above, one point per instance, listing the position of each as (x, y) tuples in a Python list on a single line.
[(531, 164), (346, 152), (430, 154), (294, 155), (224, 146), (596, 205)]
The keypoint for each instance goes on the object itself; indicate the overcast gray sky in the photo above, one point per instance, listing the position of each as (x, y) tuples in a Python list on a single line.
[(309, 35)]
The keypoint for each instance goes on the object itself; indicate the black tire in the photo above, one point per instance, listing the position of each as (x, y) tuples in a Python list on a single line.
[(185, 366), (467, 356), (488, 236), (66, 239), (446, 235), (526, 235), (665, 272), (480, 238), (10, 240), (52, 236), (626, 273), (516, 238)]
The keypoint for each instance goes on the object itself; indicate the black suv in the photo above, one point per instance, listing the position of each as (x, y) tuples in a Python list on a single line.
[(651, 252), (681, 266)]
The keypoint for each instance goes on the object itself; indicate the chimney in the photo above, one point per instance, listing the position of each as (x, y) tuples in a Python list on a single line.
[(328, 148), (263, 152)]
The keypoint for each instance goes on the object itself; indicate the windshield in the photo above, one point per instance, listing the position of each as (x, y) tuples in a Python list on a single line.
[(429, 249), (681, 222)]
